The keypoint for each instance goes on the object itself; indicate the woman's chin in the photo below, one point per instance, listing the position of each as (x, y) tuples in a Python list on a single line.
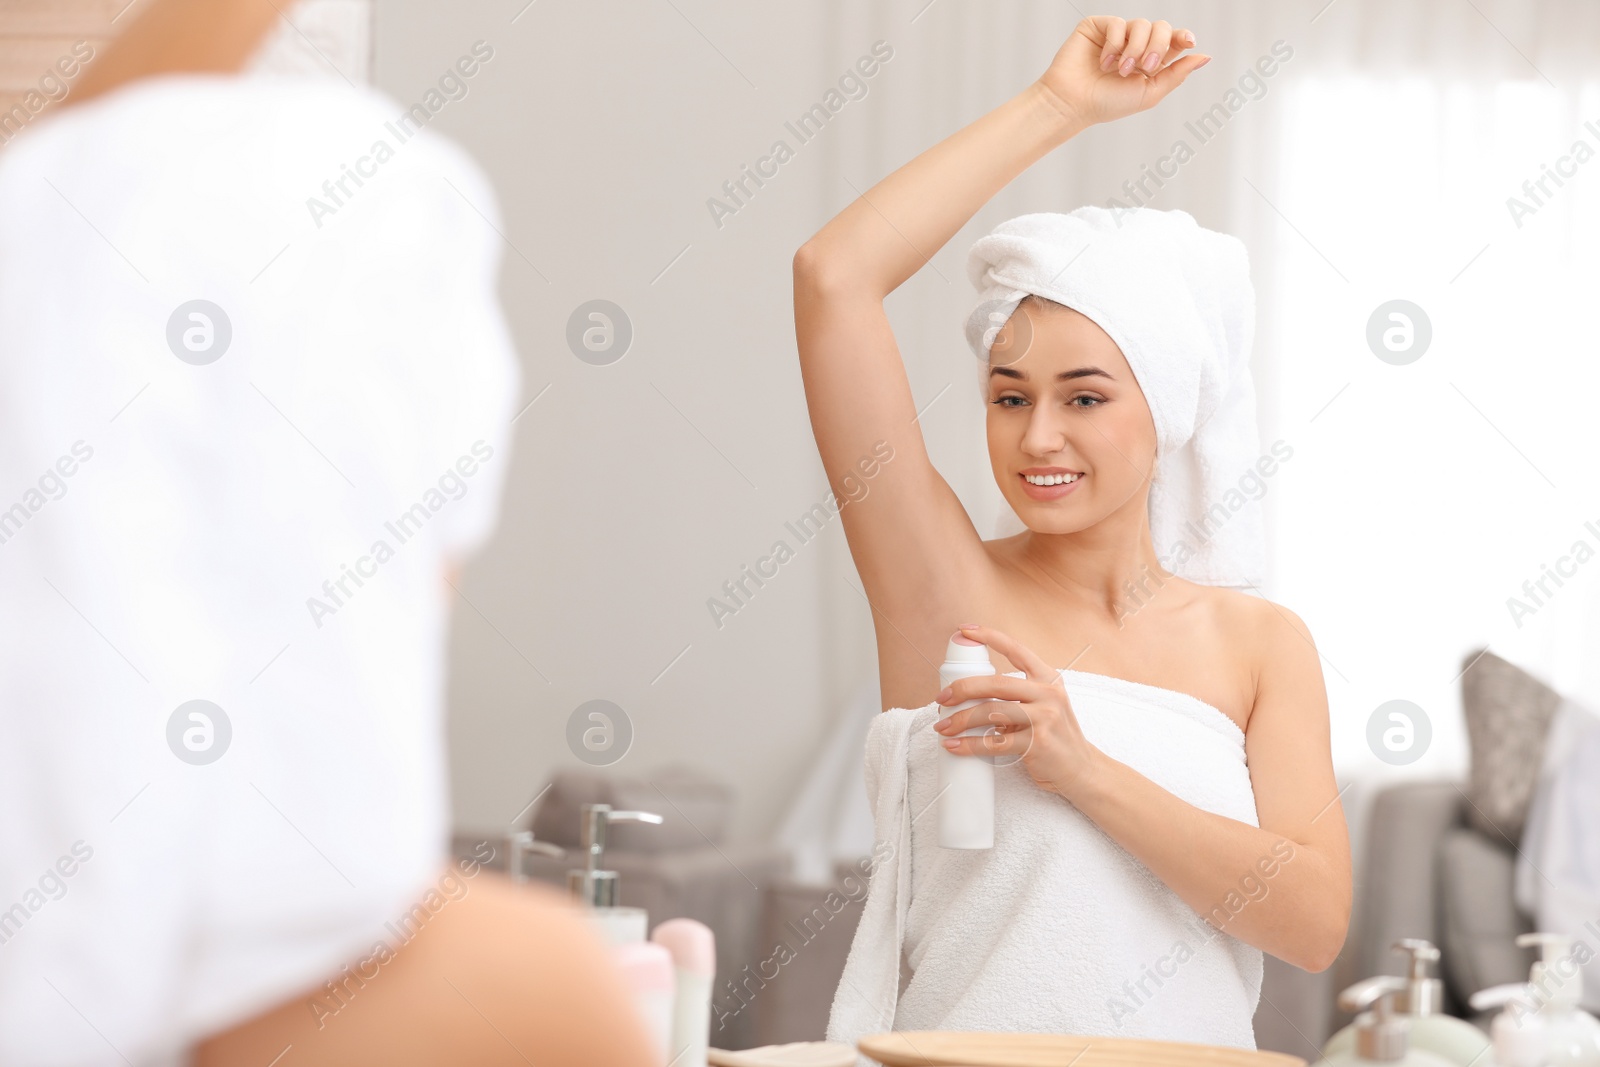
[(1044, 519)]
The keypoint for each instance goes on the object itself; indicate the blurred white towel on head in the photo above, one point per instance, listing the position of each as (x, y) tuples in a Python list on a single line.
[(169, 528), (1057, 929)]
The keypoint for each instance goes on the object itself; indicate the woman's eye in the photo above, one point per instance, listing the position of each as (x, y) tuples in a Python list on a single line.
[(1093, 401), (1009, 402)]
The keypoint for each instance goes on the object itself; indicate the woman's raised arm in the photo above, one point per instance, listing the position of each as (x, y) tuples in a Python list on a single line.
[(915, 547), (910, 535)]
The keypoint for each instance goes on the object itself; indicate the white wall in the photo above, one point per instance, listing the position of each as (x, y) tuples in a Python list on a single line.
[(638, 488)]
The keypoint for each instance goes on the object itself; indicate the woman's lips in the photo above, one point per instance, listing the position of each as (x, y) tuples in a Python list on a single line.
[(1050, 492)]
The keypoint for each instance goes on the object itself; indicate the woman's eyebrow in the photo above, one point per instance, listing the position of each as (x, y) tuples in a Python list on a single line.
[(1064, 376)]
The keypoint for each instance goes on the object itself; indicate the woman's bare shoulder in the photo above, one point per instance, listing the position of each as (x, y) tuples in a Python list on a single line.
[(1270, 647), (1283, 659), (1246, 615)]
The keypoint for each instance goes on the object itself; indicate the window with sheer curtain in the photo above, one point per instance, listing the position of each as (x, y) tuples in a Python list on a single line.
[(1441, 505)]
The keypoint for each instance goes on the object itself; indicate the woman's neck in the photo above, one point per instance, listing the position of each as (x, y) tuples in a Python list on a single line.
[(1111, 566)]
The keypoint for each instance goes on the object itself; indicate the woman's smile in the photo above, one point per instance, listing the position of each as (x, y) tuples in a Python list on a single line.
[(1049, 483)]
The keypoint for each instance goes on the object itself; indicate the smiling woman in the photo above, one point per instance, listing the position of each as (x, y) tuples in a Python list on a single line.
[(1193, 736)]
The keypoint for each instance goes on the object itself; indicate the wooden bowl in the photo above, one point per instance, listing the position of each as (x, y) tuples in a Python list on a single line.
[(934, 1048)]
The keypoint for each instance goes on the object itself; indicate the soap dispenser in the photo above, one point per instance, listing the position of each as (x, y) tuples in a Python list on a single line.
[(518, 844), (1544, 1010), (1420, 1002), (1379, 1034), (599, 889)]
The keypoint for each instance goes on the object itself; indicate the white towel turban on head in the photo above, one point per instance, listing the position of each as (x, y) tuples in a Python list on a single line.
[(1177, 300)]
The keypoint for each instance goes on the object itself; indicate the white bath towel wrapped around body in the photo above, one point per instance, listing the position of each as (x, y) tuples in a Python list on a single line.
[(1057, 929), (256, 514)]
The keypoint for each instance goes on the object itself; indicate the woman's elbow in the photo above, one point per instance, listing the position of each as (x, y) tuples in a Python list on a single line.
[(807, 260), (1320, 957), (821, 273), (1322, 941)]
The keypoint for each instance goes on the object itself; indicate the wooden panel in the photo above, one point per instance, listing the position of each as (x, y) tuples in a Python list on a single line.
[(54, 18), (24, 60), (36, 34), (331, 37)]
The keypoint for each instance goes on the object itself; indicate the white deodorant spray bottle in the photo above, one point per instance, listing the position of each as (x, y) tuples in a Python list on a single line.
[(966, 783)]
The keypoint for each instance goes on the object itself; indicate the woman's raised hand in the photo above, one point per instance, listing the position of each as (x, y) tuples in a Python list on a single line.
[(1111, 67), (1035, 724)]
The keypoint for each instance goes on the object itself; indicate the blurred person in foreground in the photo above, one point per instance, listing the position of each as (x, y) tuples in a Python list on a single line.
[(242, 446)]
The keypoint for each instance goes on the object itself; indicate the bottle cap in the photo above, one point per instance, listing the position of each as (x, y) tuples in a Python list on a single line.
[(965, 650), (646, 965), (691, 943)]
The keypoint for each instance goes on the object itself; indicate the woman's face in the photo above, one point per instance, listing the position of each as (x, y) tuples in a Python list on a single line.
[(1063, 402)]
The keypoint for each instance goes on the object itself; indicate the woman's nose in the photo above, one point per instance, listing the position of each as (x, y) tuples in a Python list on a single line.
[(1043, 436)]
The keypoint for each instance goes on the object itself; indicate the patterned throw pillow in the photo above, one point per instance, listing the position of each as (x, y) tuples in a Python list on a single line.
[(1508, 714)]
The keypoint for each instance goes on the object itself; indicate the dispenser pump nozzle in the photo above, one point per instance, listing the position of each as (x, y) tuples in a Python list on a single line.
[(589, 884), (1555, 977), (1423, 994), (1380, 1034), (521, 842)]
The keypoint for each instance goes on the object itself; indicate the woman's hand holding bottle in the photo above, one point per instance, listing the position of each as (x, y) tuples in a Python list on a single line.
[(1033, 720)]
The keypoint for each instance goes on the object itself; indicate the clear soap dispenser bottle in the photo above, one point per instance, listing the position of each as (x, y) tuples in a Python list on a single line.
[(600, 889), (1420, 1002), (1380, 1034)]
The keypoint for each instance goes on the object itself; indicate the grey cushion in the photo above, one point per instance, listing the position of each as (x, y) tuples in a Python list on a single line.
[(694, 807), (1478, 917), (1508, 714)]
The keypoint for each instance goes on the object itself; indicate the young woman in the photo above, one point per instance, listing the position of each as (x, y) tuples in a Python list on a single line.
[(1054, 596)]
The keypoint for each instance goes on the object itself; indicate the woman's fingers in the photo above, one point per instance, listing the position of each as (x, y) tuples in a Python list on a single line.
[(1155, 52), (1182, 41), (1010, 743), (1133, 51), (1173, 76), (1002, 713), (1019, 654), (989, 687), (1114, 34)]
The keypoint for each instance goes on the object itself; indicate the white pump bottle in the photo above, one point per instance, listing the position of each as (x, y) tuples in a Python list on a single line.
[(1544, 1011), (966, 783), (1421, 1004)]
